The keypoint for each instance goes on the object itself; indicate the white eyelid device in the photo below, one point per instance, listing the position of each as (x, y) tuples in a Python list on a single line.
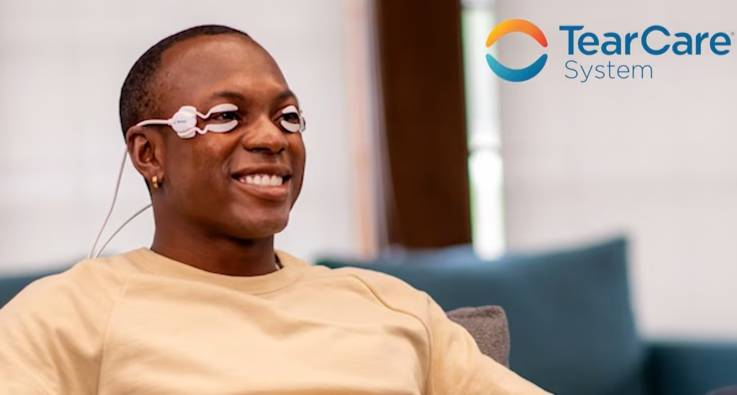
[(293, 127), (184, 122)]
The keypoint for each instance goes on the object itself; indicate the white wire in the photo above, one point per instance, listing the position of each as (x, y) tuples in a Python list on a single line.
[(121, 228), (112, 206), (110, 212)]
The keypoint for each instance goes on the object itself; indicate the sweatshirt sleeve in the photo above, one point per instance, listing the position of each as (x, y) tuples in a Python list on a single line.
[(459, 367), (456, 365), (51, 334)]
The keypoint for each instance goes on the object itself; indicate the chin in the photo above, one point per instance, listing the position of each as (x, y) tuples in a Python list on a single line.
[(260, 228)]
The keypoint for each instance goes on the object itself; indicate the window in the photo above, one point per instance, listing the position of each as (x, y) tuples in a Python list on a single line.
[(482, 103)]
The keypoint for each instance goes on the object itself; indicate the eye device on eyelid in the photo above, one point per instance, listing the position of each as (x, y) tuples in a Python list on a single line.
[(184, 123), (292, 127)]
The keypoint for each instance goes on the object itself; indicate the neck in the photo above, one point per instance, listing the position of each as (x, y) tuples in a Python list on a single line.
[(221, 255)]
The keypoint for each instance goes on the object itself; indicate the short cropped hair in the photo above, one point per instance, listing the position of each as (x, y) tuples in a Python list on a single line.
[(138, 94)]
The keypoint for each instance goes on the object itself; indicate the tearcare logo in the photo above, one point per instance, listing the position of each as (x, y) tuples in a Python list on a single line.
[(585, 49), (516, 26)]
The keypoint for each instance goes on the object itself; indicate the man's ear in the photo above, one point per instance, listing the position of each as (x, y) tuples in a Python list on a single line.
[(146, 150)]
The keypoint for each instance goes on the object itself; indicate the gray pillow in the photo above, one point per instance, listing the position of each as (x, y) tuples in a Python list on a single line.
[(488, 326)]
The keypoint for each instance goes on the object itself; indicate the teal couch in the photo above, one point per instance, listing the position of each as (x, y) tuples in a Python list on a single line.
[(570, 318)]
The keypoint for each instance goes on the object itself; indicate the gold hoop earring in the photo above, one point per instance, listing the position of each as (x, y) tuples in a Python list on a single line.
[(155, 181)]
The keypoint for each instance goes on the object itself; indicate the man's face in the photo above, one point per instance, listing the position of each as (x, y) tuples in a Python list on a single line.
[(240, 184)]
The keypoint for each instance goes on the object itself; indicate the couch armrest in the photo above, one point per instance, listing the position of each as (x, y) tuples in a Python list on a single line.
[(692, 368)]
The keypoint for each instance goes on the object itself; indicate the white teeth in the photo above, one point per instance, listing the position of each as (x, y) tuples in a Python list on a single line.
[(263, 180)]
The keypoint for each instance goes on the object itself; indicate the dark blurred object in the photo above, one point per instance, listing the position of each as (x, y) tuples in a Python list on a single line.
[(571, 323), (424, 158), (687, 368)]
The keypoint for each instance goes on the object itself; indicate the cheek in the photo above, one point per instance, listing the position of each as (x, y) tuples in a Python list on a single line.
[(194, 169), (298, 151), (299, 159), (298, 156)]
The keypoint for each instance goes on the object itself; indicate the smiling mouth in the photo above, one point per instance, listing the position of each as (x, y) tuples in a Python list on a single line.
[(263, 180)]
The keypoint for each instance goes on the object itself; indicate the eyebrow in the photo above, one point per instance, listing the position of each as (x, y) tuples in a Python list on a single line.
[(286, 94), (236, 96)]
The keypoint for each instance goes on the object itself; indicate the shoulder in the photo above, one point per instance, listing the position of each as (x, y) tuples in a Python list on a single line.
[(89, 284), (391, 291), (57, 322)]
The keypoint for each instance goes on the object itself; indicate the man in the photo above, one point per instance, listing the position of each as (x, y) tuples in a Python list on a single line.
[(211, 308)]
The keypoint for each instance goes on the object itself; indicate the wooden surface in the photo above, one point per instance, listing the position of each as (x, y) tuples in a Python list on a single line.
[(421, 71)]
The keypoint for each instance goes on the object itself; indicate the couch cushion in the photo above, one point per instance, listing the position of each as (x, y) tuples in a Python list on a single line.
[(488, 326), (570, 321), (11, 285)]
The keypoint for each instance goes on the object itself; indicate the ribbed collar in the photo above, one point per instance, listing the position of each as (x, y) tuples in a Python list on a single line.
[(292, 269)]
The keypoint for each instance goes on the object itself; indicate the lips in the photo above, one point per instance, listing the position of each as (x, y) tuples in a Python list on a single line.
[(266, 182)]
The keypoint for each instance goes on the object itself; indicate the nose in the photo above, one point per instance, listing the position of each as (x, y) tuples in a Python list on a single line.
[(265, 137)]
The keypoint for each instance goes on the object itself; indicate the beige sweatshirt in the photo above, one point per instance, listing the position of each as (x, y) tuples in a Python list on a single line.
[(140, 323)]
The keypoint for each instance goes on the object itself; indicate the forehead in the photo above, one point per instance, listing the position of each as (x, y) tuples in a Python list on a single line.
[(193, 70)]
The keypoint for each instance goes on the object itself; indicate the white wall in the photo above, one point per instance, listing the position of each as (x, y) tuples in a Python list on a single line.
[(656, 158), (61, 68)]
